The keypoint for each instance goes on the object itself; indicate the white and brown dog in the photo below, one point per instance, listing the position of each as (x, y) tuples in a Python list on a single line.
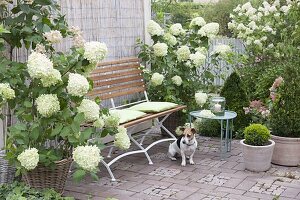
[(185, 145)]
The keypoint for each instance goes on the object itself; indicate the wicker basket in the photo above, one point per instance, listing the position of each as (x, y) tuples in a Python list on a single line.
[(7, 172), (44, 177), (172, 122)]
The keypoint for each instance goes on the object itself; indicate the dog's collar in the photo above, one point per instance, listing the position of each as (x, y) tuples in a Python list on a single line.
[(188, 144)]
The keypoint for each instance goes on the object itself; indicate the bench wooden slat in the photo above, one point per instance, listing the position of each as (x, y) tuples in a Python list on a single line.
[(153, 116), (116, 75), (126, 60), (117, 87), (122, 93), (116, 68), (117, 81)]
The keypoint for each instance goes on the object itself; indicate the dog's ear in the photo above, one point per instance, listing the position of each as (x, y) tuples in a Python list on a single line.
[(182, 128), (193, 130)]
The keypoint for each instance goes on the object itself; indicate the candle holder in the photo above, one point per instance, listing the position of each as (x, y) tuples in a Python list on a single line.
[(217, 105)]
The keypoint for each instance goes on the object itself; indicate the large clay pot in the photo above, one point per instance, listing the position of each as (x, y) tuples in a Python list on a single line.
[(257, 158), (287, 151)]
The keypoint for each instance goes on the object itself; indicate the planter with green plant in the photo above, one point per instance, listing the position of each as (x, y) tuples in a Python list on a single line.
[(285, 120), (257, 148)]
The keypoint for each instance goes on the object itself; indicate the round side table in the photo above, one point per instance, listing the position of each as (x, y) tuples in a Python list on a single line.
[(226, 122)]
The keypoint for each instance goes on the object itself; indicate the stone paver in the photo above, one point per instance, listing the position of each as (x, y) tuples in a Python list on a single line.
[(210, 178)]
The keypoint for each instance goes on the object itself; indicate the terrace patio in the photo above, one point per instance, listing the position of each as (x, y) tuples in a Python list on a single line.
[(210, 178)]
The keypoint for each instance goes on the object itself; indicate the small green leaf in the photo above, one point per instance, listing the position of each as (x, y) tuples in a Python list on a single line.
[(56, 130), (35, 133), (27, 104), (78, 175), (86, 134)]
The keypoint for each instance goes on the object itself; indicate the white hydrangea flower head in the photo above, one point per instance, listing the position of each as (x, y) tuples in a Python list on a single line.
[(157, 79), (237, 9), (87, 157), (198, 58), (202, 50), (231, 25), (53, 36), (39, 65), (209, 30), (78, 41), (258, 43), (51, 79), (95, 52), (29, 158), (246, 6), (78, 85), (154, 28), (177, 80), (206, 113), (222, 49), (183, 53), (170, 39), (198, 21), (47, 104), (122, 140), (285, 9), (6, 92), (178, 130), (90, 109), (75, 30), (201, 98), (160, 49), (99, 123), (39, 48), (112, 120), (176, 29)]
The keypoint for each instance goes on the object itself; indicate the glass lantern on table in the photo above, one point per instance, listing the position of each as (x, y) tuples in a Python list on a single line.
[(217, 106)]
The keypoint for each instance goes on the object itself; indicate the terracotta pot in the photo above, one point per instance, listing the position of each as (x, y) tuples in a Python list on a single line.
[(257, 158), (287, 151)]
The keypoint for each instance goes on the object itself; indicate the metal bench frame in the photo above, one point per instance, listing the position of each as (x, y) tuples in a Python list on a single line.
[(120, 78)]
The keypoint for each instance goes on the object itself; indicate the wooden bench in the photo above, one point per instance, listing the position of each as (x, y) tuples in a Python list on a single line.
[(121, 78)]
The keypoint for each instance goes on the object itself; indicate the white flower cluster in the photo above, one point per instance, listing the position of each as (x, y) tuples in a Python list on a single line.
[(177, 80), (176, 29), (197, 58), (6, 92), (53, 36), (90, 109), (39, 48), (157, 79), (222, 49), (122, 140), (95, 52), (209, 30), (160, 49), (154, 28), (201, 98), (99, 123), (183, 53), (78, 85), (198, 21), (170, 39), (112, 120), (206, 113), (29, 158), (78, 40), (41, 67), (47, 104), (87, 157)]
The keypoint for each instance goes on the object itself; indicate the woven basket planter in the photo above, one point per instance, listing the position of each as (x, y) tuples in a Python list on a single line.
[(172, 122), (7, 172), (43, 177)]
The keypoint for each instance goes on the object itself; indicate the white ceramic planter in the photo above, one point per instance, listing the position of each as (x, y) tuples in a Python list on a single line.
[(286, 151), (257, 158)]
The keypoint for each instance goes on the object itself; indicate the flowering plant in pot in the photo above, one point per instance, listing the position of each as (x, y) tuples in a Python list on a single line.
[(47, 94), (257, 148)]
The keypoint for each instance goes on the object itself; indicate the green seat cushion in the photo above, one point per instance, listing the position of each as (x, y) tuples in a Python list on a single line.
[(153, 106), (127, 115)]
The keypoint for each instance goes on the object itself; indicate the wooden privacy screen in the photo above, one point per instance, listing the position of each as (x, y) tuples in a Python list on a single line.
[(117, 78)]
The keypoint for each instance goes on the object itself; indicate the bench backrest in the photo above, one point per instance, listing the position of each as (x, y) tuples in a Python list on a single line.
[(117, 78)]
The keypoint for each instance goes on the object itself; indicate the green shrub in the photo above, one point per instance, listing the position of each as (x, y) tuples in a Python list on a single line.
[(19, 191), (257, 135), (207, 127), (236, 99), (285, 115)]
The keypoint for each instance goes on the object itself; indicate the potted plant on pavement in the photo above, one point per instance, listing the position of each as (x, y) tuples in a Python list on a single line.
[(285, 116), (257, 148)]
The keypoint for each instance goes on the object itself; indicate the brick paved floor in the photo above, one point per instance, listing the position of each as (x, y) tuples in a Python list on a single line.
[(210, 178)]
